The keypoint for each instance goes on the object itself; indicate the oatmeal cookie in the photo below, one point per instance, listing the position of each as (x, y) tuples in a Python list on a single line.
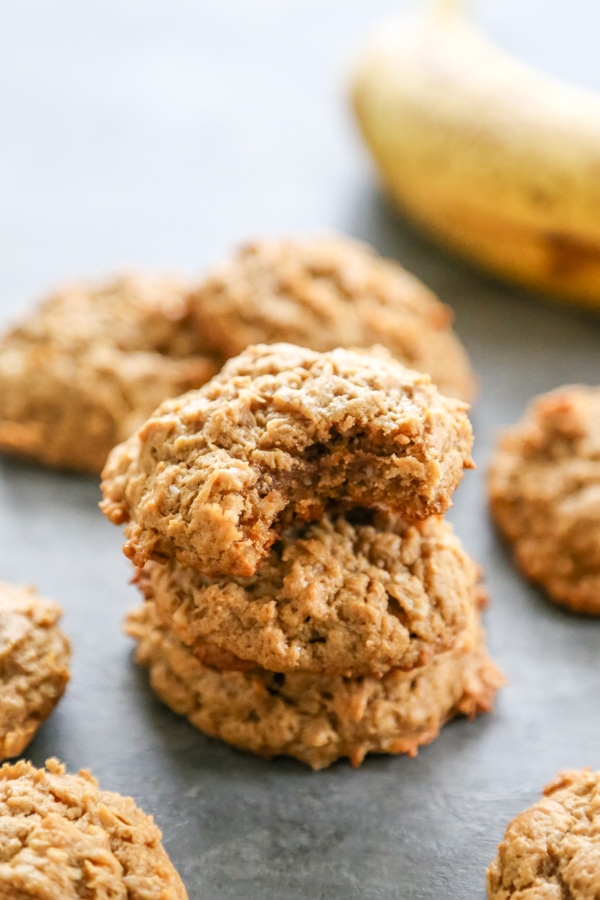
[(316, 718), (552, 850), (351, 594), (330, 292), (91, 363), (61, 838), (544, 486), (213, 477), (34, 665)]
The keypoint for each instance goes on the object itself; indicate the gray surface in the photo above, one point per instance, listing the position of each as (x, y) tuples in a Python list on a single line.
[(159, 133)]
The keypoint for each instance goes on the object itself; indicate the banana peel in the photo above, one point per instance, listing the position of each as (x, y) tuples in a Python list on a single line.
[(495, 160)]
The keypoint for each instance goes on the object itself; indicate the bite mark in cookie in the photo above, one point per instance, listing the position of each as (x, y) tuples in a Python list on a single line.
[(280, 434), (544, 487)]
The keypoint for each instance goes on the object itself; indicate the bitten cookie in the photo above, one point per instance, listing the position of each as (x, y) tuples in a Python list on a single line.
[(315, 718), (351, 594), (61, 838), (330, 292), (544, 487), (91, 363), (552, 851), (213, 477), (34, 665)]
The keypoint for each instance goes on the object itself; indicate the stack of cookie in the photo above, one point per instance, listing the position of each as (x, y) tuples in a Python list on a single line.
[(303, 594)]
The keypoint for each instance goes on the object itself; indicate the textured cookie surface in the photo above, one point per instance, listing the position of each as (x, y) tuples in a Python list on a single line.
[(34, 665), (552, 851), (61, 838), (91, 363), (544, 486), (326, 293), (347, 595), (316, 718), (214, 476)]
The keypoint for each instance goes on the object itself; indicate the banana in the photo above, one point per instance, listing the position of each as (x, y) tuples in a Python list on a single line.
[(495, 160)]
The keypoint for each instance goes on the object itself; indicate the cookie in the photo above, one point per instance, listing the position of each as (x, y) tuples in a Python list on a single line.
[(62, 838), (552, 851), (349, 595), (213, 477), (315, 718), (34, 665), (544, 487), (331, 292), (91, 363)]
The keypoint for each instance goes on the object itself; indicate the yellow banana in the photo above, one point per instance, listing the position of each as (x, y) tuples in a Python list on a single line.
[(496, 160)]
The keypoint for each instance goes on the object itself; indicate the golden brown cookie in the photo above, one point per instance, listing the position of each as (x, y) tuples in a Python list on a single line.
[(351, 594), (544, 487), (330, 292), (316, 718), (213, 477), (61, 838), (552, 851), (34, 665), (91, 363)]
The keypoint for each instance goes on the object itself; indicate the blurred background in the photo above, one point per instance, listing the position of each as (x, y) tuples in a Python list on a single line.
[(162, 132), (158, 134)]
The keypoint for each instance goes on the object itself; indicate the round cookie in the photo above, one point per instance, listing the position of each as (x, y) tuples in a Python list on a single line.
[(213, 477), (315, 718), (91, 363), (348, 595), (330, 292), (544, 488), (61, 838), (34, 658), (552, 851)]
